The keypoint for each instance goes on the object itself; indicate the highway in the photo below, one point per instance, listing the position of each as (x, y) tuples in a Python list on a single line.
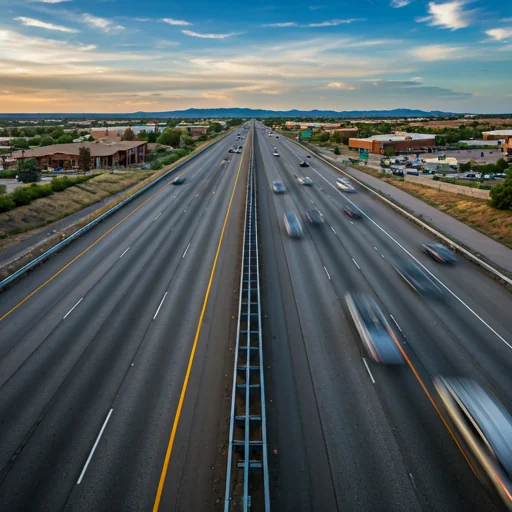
[(351, 434), (101, 407)]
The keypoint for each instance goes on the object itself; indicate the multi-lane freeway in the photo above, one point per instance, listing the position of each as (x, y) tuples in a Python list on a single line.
[(116, 356)]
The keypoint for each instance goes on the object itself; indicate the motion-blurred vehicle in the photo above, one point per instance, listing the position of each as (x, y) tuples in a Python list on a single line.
[(344, 185), (277, 136), (233, 150), (439, 253), (303, 163), (275, 152), (314, 216), (178, 181), (373, 328), (304, 180), (418, 280), (483, 427), (352, 211), (278, 187), (353, 160), (308, 156), (293, 225)]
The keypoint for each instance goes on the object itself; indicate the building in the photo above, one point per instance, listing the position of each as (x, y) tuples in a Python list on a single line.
[(195, 130), (475, 142), (497, 135), (399, 141), (103, 155)]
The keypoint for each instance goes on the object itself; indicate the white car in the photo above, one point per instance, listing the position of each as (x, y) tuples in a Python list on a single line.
[(275, 152), (344, 185), (304, 180)]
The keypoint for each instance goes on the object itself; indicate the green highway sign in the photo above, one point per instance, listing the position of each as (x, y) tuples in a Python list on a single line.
[(306, 135)]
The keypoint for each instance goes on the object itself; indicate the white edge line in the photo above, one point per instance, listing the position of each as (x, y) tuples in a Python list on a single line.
[(69, 312), (161, 302), (156, 218), (126, 250), (407, 252), (368, 370), (396, 323), (94, 447), (327, 272), (355, 263), (186, 250), (333, 230)]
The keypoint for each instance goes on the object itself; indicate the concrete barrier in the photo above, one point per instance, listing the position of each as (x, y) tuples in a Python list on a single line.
[(448, 187)]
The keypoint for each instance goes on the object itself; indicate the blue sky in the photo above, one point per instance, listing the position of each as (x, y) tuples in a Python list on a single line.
[(153, 55)]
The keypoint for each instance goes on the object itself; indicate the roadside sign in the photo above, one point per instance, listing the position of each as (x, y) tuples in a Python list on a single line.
[(306, 134), (363, 156)]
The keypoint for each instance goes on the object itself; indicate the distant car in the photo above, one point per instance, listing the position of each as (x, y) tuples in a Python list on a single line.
[(308, 156), (483, 428), (293, 225), (275, 152), (314, 216), (303, 163), (418, 280), (233, 150), (304, 180), (439, 253), (344, 185), (178, 181), (277, 136), (373, 328), (278, 187), (352, 211)]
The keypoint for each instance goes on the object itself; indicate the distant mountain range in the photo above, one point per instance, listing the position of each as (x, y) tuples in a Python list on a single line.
[(237, 112)]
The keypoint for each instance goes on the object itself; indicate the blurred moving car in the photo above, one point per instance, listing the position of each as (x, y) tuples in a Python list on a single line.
[(483, 428), (352, 211), (376, 334), (314, 216), (304, 180), (293, 225), (308, 156), (439, 253), (344, 185), (278, 187), (418, 280), (178, 181), (275, 152), (303, 163)]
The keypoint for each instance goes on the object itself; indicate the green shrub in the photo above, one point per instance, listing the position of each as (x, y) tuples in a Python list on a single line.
[(60, 184), (21, 196), (46, 190), (3, 188), (34, 191), (156, 165), (8, 174), (6, 203), (501, 195)]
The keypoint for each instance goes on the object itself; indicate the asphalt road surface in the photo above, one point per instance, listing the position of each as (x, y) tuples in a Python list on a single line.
[(351, 434), (96, 344)]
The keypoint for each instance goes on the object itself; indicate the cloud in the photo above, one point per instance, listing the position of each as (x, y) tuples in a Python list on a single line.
[(341, 86), (281, 25), (334, 23), (400, 3), (448, 15), (499, 34), (51, 1), (417, 79), (210, 36), (171, 21), (506, 20), (435, 52), (316, 7), (31, 22), (163, 43), (101, 23)]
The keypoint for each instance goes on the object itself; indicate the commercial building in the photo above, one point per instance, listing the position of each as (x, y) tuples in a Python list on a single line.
[(195, 130), (103, 155), (497, 135), (399, 141)]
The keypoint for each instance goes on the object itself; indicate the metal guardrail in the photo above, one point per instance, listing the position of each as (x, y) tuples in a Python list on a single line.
[(56, 248), (469, 255), (247, 482)]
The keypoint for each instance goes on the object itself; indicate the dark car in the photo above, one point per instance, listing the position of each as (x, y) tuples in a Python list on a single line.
[(308, 156), (292, 225), (379, 340), (483, 427), (178, 181), (352, 211), (439, 253), (418, 280), (304, 164), (278, 187), (314, 216)]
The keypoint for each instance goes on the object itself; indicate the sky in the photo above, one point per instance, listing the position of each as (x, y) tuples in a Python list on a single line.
[(156, 55)]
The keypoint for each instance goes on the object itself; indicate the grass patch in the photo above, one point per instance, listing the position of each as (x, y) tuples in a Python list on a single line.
[(474, 212)]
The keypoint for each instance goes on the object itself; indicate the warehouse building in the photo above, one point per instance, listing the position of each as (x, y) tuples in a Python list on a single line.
[(497, 135), (399, 141)]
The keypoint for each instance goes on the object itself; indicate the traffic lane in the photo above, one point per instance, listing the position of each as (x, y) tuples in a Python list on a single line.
[(38, 276), (146, 404), (85, 393), (21, 336), (161, 250), (292, 429), (462, 281), (447, 492), (336, 364)]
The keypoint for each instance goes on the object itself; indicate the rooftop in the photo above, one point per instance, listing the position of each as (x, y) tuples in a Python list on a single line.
[(398, 136), (505, 133)]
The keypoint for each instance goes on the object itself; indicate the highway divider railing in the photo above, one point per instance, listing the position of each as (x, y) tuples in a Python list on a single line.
[(56, 248), (454, 245)]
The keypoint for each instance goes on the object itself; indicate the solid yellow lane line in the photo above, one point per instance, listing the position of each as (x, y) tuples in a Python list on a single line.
[(163, 475), (80, 255)]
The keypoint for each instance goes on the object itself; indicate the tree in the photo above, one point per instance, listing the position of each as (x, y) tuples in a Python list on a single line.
[(501, 195), (46, 140), (34, 141), (169, 137), (20, 144), (216, 127), (65, 139), (57, 132), (84, 159), (128, 134), (337, 151), (389, 151), (501, 165), (152, 137), (28, 164)]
